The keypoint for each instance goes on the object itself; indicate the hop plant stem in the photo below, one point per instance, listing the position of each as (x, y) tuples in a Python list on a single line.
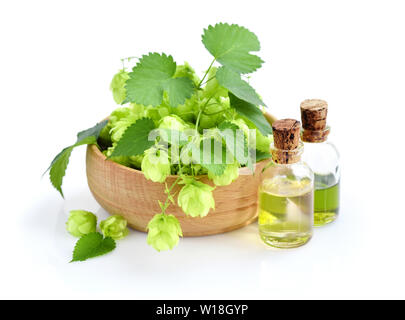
[(206, 72), (167, 202)]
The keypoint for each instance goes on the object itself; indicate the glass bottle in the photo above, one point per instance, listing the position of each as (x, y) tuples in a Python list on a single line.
[(285, 205), (323, 158)]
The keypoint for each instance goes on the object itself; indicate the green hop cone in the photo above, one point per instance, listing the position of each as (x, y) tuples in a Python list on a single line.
[(230, 174), (214, 112), (157, 113), (213, 88), (122, 118), (187, 71), (242, 126), (114, 227), (81, 222), (196, 199), (186, 110), (117, 86), (133, 161), (155, 165), (172, 122), (163, 232)]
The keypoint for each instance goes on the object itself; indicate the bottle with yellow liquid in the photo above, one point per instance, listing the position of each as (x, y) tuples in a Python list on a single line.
[(286, 194), (323, 158)]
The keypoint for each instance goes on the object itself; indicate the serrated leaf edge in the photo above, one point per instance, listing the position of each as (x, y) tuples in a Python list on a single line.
[(103, 239), (211, 27), (112, 155)]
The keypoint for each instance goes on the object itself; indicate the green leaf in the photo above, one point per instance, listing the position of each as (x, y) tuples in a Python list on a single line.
[(214, 162), (59, 164), (152, 76), (92, 245), (230, 174), (260, 155), (228, 131), (231, 46), (232, 81), (135, 141), (179, 90), (58, 168), (90, 135), (251, 112)]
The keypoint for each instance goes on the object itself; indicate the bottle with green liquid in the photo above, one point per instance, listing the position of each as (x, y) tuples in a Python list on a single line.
[(286, 193), (323, 158)]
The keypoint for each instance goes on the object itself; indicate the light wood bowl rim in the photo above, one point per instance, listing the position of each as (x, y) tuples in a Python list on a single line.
[(99, 154), (269, 117)]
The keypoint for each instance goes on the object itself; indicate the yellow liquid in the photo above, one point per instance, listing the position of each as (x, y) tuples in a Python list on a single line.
[(285, 212)]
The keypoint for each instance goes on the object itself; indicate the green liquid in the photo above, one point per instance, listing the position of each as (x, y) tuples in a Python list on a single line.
[(285, 213), (326, 200)]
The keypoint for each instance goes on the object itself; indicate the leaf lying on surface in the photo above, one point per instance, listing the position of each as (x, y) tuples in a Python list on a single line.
[(92, 245)]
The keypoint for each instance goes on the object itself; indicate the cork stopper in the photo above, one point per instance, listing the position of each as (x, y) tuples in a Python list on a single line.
[(313, 116), (286, 133)]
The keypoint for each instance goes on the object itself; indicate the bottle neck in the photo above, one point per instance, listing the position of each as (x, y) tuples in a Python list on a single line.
[(280, 156), (315, 136)]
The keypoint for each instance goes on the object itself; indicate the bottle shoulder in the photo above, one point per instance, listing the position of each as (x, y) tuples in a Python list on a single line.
[(291, 179), (327, 146), (331, 146), (323, 158), (298, 170)]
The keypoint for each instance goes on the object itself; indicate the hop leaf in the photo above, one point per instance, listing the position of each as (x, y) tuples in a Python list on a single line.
[(59, 164), (232, 81), (212, 156), (135, 140), (122, 118), (155, 165), (114, 227), (117, 86), (230, 174), (152, 76), (196, 198), (92, 245), (251, 112), (262, 141), (236, 141), (81, 222), (231, 46), (163, 232)]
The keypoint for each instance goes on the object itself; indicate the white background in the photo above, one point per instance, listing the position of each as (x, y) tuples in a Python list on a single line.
[(56, 61)]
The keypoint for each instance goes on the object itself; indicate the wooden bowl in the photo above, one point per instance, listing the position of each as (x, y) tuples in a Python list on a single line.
[(125, 191)]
